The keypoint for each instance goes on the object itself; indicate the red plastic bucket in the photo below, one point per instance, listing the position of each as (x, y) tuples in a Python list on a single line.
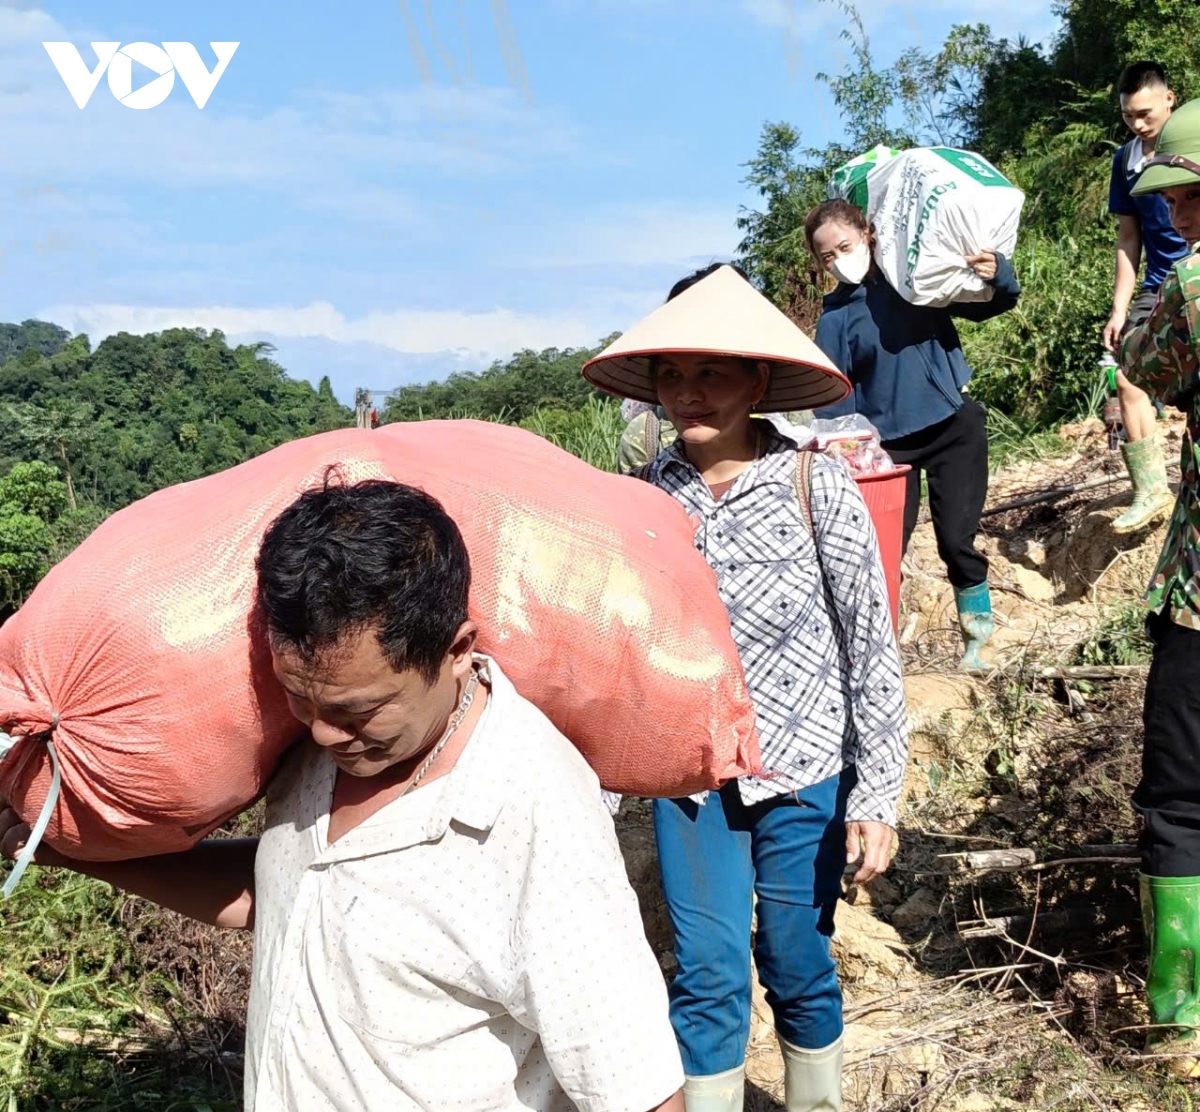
[(884, 496)]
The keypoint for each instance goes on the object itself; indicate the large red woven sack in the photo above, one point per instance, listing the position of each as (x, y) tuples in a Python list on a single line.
[(141, 654)]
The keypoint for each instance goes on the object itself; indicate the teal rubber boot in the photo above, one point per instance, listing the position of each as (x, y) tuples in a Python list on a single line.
[(976, 622), (1171, 921)]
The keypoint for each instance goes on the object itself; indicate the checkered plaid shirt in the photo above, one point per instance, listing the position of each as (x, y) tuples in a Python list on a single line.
[(818, 651)]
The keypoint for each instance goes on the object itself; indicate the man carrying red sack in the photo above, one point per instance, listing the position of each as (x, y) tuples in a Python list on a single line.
[(440, 909)]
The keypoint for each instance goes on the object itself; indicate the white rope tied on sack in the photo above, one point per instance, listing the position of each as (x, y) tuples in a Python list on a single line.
[(7, 744)]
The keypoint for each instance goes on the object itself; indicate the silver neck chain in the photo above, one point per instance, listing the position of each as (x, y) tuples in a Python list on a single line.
[(454, 723)]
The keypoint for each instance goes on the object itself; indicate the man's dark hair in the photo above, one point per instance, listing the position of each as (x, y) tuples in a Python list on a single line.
[(1140, 75), (698, 275), (374, 555)]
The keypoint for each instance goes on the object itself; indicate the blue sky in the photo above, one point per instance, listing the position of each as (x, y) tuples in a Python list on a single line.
[(389, 191)]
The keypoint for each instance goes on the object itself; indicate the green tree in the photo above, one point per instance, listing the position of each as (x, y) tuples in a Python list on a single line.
[(791, 178), (43, 338), (32, 500), (1099, 37), (510, 390), (772, 249), (865, 96), (1017, 89), (54, 430), (938, 91), (143, 412)]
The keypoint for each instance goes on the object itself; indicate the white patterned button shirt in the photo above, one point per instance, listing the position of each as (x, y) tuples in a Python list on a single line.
[(820, 658), (474, 945)]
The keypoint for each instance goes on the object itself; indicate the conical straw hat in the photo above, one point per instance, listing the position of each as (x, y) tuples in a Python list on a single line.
[(725, 315)]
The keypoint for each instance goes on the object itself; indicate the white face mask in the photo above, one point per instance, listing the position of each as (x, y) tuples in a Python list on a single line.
[(852, 267)]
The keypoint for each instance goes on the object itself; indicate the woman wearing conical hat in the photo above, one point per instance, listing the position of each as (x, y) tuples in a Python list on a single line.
[(797, 564), (1162, 356)]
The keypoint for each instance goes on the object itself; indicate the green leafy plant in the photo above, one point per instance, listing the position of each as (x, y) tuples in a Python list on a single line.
[(1038, 362), (1121, 639)]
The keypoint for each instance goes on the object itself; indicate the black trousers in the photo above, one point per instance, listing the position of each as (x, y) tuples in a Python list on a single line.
[(953, 455), (1168, 796)]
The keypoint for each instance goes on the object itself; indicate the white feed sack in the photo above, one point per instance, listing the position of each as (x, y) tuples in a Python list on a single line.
[(930, 208)]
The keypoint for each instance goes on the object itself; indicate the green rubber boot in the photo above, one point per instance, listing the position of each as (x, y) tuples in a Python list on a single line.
[(976, 622), (1152, 496), (1171, 920)]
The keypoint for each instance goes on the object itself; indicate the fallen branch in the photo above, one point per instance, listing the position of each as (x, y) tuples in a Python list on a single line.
[(1069, 673), (1048, 495), (1077, 918), (1092, 671), (1025, 860), (991, 860), (1116, 860), (105, 1042)]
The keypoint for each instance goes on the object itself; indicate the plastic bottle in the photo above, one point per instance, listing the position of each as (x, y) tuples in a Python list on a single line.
[(1114, 422)]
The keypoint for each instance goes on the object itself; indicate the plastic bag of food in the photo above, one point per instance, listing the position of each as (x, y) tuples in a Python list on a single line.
[(855, 441)]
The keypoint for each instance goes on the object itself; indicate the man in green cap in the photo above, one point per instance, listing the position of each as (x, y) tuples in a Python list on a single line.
[(1162, 355)]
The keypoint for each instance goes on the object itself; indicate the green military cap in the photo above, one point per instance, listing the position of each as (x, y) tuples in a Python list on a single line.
[(1177, 155)]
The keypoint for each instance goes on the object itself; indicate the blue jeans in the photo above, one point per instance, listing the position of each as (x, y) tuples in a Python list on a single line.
[(790, 852)]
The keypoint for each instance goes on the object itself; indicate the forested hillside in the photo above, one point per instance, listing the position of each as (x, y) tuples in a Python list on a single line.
[(137, 414), (510, 390)]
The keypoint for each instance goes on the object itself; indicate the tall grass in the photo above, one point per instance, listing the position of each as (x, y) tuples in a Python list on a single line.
[(591, 433), (1014, 440), (1038, 363), (1121, 639)]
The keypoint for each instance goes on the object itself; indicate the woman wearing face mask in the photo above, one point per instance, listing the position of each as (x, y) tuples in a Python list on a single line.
[(909, 375)]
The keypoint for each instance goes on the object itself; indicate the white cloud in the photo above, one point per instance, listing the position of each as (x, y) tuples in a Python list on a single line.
[(486, 335), (105, 194), (619, 261), (654, 234)]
